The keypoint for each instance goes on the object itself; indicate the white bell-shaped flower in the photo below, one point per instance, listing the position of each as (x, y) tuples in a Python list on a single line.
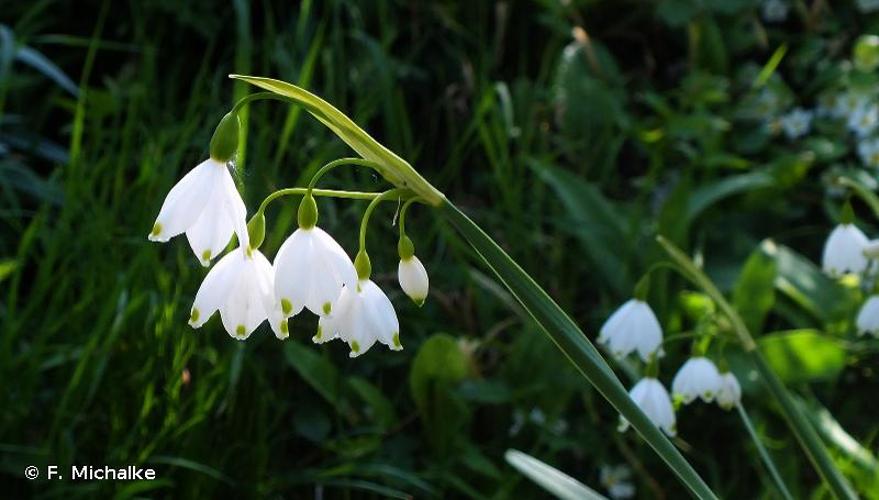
[(241, 287), (650, 395), (413, 279), (729, 394), (310, 270), (632, 327), (362, 315), (844, 251), (698, 377), (868, 317), (207, 206)]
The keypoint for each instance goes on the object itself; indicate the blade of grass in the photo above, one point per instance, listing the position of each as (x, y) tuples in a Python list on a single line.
[(764, 455), (568, 337)]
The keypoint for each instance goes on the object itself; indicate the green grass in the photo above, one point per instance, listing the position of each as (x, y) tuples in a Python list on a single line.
[(553, 152)]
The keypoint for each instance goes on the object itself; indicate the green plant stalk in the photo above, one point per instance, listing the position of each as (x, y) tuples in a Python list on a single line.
[(549, 316), (574, 344), (764, 455), (803, 430)]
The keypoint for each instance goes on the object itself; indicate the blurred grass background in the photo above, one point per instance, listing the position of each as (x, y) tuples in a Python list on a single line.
[(573, 131)]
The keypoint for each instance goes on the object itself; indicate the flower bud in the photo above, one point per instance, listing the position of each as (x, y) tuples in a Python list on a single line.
[(256, 229), (224, 142), (307, 212), (413, 279)]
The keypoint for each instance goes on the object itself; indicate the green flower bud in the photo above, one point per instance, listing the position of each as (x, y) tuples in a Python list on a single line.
[(363, 265), (846, 215), (405, 248), (307, 212), (224, 142), (256, 229)]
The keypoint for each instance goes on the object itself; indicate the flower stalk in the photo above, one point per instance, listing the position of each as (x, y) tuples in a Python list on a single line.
[(803, 430)]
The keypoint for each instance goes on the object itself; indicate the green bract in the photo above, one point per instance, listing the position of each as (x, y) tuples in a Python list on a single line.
[(224, 142)]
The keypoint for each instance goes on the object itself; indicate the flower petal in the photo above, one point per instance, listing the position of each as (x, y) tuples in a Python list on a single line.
[(186, 200), (216, 288)]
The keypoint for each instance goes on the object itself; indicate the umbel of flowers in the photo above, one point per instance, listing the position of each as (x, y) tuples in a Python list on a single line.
[(634, 328), (310, 271)]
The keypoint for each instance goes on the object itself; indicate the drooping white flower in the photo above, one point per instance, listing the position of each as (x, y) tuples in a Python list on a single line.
[(730, 392), (796, 123), (844, 251), (310, 270), (698, 377), (413, 279), (362, 315), (774, 11), (868, 151), (650, 395), (618, 481), (632, 327), (241, 287), (864, 119), (868, 317), (207, 206)]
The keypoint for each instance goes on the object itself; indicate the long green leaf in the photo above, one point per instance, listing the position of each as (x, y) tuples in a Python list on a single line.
[(551, 479), (802, 428), (568, 337)]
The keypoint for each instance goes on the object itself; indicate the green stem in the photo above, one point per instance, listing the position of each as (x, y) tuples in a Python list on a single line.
[(328, 193), (574, 344), (390, 193), (764, 455), (803, 430), (359, 162), (403, 211)]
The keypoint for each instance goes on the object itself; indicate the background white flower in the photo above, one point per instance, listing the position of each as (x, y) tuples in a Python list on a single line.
[(796, 123), (698, 377), (650, 395), (730, 392), (844, 251), (774, 11), (310, 270), (632, 327), (868, 317), (206, 205), (362, 316), (868, 151), (864, 119), (618, 481), (240, 287)]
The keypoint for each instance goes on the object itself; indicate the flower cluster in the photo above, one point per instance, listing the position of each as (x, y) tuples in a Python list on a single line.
[(310, 271), (849, 251), (634, 328)]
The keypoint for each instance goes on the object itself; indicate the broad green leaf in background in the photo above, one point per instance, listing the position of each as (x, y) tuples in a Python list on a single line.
[(438, 367), (803, 355), (706, 195), (551, 479), (595, 221), (804, 283), (754, 292)]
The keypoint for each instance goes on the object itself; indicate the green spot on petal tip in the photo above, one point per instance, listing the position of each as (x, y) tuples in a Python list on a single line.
[(157, 229), (206, 256), (240, 330), (286, 306), (317, 335), (284, 327), (397, 340), (327, 307), (355, 347), (193, 316)]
